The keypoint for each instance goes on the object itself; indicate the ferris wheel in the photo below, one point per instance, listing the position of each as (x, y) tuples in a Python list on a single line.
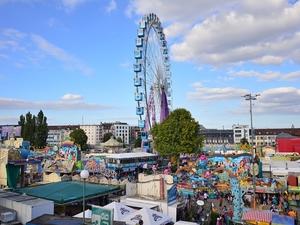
[(152, 76)]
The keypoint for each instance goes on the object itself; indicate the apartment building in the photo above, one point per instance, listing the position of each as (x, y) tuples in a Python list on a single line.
[(9, 131), (122, 130), (58, 134), (267, 137), (93, 132), (239, 132), (106, 128), (217, 137)]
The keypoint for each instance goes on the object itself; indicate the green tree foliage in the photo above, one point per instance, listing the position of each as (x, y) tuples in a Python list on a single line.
[(179, 133), (22, 124), (119, 140), (34, 129), (79, 137), (244, 144), (107, 136), (138, 142), (41, 130), (29, 128), (244, 141)]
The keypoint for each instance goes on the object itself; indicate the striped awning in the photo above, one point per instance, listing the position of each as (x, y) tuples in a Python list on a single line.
[(258, 215)]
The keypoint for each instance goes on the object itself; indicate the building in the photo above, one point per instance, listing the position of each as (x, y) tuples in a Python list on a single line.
[(239, 132), (121, 130), (217, 137), (9, 131), (93, 132), (106, 128), (55, 137), (58, 134), (287, 143), (267, 137), (135, 132)]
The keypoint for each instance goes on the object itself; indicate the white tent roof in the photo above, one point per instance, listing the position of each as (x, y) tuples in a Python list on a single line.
[(120, 210), (149, 217), (88, 214), (112, 142)]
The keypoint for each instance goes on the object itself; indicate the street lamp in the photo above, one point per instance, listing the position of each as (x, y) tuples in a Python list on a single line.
[(84, 174), (250, 98)]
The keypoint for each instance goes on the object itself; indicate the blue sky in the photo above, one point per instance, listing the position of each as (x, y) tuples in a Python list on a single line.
[(73, 59)]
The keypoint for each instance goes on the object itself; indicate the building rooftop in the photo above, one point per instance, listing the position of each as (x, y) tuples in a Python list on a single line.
[(122, 155), (55, 220), (280, 167), (68, 191)]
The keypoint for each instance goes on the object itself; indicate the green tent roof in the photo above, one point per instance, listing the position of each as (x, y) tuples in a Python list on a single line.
[(68, 191)]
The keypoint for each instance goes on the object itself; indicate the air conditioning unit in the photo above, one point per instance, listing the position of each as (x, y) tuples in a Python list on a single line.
[(8, 216)]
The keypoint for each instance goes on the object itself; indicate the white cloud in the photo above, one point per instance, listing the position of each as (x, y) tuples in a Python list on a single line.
[(177, 10), (215, 94), (240, 36), (71, 97), (60, 54), (72, 4), (231, 32), (267, 76), (9, 119), (176, 29), (13, 33), (32, 48), (269, 60), (10, 103), (68, 5), (111, 6), (280, 100)]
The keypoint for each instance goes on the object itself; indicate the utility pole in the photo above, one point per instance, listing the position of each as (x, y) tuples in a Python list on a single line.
[(250, 98)]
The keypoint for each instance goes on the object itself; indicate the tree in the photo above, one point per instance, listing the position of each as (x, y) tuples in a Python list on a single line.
[(244, 144), (79, 137), (138, 142), (27, 127), (41, 130), (119, 140), (34, 129), (22, 124), (179, 133), (244, 141), (107, 136)]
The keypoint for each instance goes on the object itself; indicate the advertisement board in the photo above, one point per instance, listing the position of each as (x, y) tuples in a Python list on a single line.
[(172, 195), (102, 216)]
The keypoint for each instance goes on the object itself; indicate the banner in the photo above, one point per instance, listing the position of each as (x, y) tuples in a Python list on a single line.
[(102, 216), (172, 195)]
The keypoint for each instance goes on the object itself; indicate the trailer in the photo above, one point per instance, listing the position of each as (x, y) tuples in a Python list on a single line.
[(27, 207)]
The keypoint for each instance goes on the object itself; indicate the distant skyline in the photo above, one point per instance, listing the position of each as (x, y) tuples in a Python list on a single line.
[(74, 59)]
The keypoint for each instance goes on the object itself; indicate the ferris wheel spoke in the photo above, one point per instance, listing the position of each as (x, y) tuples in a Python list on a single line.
[(154, 53), (154, 71)]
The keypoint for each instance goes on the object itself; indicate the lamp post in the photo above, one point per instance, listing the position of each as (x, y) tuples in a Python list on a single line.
[(250, 98), (84, 174)]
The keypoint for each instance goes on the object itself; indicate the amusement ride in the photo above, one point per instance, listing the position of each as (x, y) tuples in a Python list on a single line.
[(152, 77)]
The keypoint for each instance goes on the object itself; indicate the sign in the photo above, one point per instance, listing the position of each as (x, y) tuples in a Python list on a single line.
[(172, 195), (102, 216)]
